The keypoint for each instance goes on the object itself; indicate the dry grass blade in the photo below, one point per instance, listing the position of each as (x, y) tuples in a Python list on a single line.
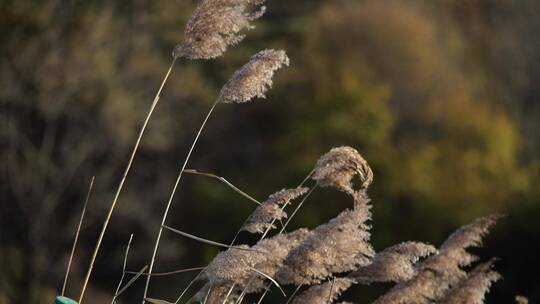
[(162, 274), (228, 293), (293, 294), (122, 181), (156, 301), (207, 295), (226, 182), (77, 235), (331, 290), (264, 293), (116, 293), (191, 236), (132, 280), (271, 280), (173, 192), (297, 208), (188, 286)]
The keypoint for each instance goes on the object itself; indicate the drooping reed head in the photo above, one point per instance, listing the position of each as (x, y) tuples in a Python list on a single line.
[(339, 246), (216, 24), (393, 264), (472, 290), (236, 266), (269, 211), (339, 166), (254, 78), (439, 272)]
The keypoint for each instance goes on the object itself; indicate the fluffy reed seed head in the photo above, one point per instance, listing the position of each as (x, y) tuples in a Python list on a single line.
[(341, 245), (236, 266), (393, 264), (278, 247), (473, 289), (265, 214), (466, 236), (439, 272), (254, 78), (215, 25), (521, 300), (327, 292), (338, 167)]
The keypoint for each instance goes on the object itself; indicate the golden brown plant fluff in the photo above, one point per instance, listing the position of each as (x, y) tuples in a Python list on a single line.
[(237, 266), (269, 211), (393, 264), (339, 166), (472, 289), (254, 78), (215, 25), (341, 245), (439, 272)]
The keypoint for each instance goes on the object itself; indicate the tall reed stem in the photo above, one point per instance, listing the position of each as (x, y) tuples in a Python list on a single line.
[(77, 235), (176, 184), (121, 185)]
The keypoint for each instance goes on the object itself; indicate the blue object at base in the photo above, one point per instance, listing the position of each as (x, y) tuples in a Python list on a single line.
[(64, 300)]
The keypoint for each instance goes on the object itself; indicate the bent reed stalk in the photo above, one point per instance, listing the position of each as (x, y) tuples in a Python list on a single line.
[(173, 192), (122, 181)]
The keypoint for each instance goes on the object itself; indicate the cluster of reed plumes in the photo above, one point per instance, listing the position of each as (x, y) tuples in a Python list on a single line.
[(337, 255), (326, 261)]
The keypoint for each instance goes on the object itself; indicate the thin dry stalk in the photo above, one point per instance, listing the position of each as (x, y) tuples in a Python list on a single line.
[(122, 181), (168, 273), (226, 182), (258, 71), (77, 235), (202, 240), (123, 269), (132, 280), (173, 192)]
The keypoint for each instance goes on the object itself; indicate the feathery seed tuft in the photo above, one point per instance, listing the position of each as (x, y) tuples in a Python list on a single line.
[(215, 25), (254, 78), (338, 167)]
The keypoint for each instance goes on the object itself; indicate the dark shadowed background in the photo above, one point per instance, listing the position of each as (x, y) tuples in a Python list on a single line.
[(441, 97)]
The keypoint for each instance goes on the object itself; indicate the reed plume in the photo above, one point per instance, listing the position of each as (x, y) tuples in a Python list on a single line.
[(269, 211), (394, 264), (438, 273), (341, 245), (472, 289), (254, 78), (215, 25), (236, 266), (339, 166)]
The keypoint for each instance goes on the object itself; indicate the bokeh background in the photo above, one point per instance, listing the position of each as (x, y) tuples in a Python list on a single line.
[(441, 97)]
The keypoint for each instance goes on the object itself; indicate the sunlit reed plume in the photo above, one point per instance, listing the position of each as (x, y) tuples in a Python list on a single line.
[(473, 289), (339, 166), (340, 245), (439, 272), (394, 264), (215, 25), (254, 78), (270, 210)]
